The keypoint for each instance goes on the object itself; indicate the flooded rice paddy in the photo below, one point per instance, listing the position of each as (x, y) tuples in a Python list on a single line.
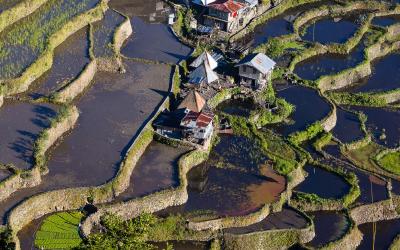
[(386, 21), (156, 170), (328, 64), (385, 75), (115, 107), (329, 226), (286, 219), (103, 33), (18, 54), (70, 58), (305, 100), (20, 126), (321, 182), (340, 30), (384, 125), (154, 42), (348, 126), (238, 107), (386, 232)]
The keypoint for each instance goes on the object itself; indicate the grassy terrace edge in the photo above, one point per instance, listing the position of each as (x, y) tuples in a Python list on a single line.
[(45, 61)]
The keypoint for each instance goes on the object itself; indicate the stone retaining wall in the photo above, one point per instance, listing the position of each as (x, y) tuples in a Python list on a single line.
[(271, 239), (77, 86), (383, 210), (349, 241), (329, 122), (1, 100)]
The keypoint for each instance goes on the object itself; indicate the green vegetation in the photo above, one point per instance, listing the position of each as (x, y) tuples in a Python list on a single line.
[(391, 162), (59, 231), (33, 33), (120, 234), (6, 241), (322, 141), (360, 99), (307, 134), (276, 47)]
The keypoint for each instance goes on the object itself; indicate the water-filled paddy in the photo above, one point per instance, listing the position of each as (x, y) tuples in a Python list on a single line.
[(320, 182), (20, 125), (103, 33), (70, 58), (348, 126), (310, 107), (386, 21), (384, 125), (340, 30), (237, 107), (156, 170), (154, 42), (386, 231), (328, 64), (7, 4), (385, 75), (112, 112), (286, 219), (33, 33), (329, 226)]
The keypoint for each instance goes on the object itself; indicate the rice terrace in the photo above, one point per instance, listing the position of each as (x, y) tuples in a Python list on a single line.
[(200, 124)]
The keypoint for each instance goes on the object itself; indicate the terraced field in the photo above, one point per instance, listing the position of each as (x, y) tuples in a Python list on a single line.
[(312, 162)]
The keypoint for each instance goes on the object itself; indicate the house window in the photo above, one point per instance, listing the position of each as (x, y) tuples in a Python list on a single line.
[(244, 68), (254, 71)]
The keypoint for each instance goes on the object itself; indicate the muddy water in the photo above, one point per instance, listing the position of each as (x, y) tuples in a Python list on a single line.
[(112, 111), (237, 107), (18, 54), (386, 231), (154, 42), (310, 107), (386, 21), (348, 127), (385, 75), (20, 125), (286, 219), (328, 64), (240, 184), (70, 58), (4, 174), (103, 33), (339, 31), (329, 226), (156, 170), (320, 182), (384, 125), (27, 234)]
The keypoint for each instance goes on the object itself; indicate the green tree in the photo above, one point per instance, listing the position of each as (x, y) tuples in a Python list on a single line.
[(6, 241), (120, 234)]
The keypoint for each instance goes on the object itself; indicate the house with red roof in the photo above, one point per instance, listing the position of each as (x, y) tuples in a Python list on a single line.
[(229, 15), (198, 126)]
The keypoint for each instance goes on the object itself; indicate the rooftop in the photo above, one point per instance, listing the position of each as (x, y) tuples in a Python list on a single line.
[(259, 61), (229, 6)]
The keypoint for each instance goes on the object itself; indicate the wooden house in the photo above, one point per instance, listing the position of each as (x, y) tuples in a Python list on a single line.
[(255, 70)]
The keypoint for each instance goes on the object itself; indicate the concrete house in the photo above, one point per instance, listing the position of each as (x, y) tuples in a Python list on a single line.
[(255, 70), (230, 15), (198, 127)]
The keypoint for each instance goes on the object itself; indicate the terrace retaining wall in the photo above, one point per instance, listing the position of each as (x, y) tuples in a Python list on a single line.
[(45, 61), (1, 100), (383, 210), (77, 86)]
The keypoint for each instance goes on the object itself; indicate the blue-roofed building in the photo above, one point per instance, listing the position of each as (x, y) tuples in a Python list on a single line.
[(255, 70)]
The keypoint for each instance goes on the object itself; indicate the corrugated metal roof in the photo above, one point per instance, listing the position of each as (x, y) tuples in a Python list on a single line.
[(259, 61), (228, 6)]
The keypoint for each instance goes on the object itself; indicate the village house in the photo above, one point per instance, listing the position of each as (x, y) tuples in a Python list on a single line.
[(203, 73), (229, 15), (255, 71), (188, 122)]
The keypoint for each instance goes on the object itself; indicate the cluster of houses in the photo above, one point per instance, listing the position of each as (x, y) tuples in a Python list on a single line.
[(192, 120)]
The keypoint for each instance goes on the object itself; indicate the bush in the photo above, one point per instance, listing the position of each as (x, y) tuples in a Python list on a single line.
[(391, 162)]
